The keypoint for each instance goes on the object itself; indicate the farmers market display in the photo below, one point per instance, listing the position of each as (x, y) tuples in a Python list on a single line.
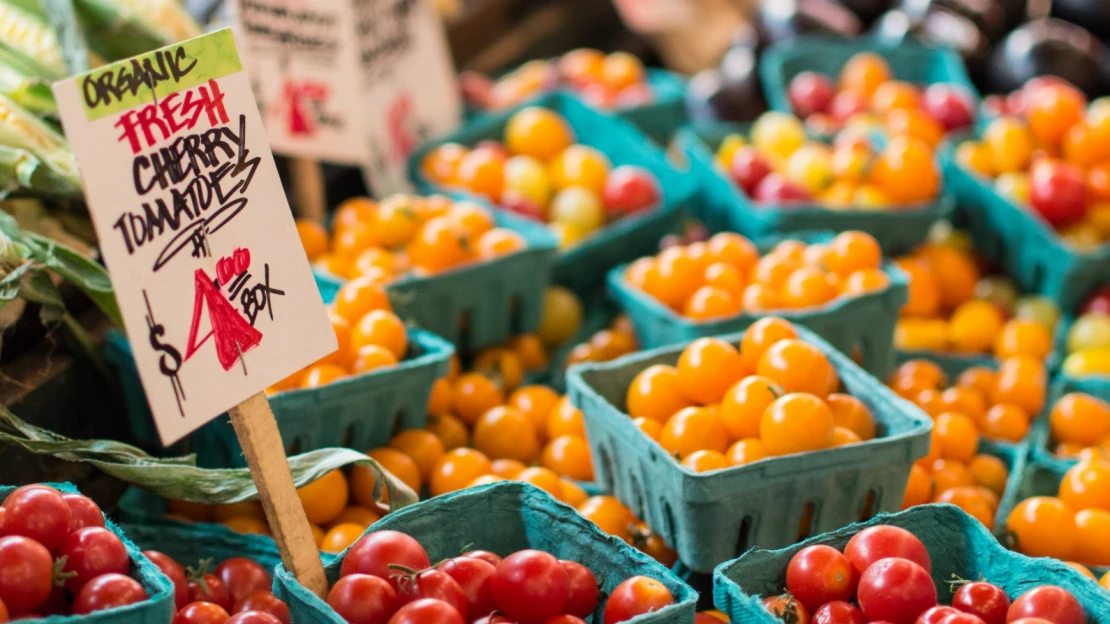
[(579, 380)]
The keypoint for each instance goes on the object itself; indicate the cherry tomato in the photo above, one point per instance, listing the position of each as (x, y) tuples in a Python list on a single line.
[(634, 596), (571, 619), (427, 611), (108, 591), (810, 92), (3, 612), (838, 612), (985, 600), (962, 618), (473, 576), (897, 590), (83, 512), (201, 613), (253, 617), (90, 552), (629, 190), (266, 602), (936, 615), (374, 553), (820, 574), (530, 586), (175, 572), (880, 542), (1049, 602), (495, 618), (748, 168), (582, 599), (948, 105), (786, 608), (242, 576), (484, 555), (209, 588), (1031, 620), (363, 599), (28, 572), (37, 512), (1058, 192), (431, 583)]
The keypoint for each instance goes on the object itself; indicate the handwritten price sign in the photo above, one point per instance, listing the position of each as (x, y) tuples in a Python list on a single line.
[(216, 293)]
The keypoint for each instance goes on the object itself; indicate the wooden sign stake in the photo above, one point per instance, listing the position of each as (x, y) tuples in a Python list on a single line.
[(258, 434), (309, 196)]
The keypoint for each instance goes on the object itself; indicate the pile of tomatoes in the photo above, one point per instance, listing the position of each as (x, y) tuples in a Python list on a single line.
[(237, 591), (387, 578), (722, 406), (866, 90), (57, 557), (541, 173), (406, 234), (1074, 524), (1049, 152), (953, 307), (726, 275), (615, 80), (1079, 424), (782, 166), (1088, 341), (884, 575), (607, 344)]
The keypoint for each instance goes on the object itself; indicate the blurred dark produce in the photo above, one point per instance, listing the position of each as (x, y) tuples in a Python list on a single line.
[(730, 92), (866, 10), (1050, 46), (781, 20), (943, 27), (1094, 15)]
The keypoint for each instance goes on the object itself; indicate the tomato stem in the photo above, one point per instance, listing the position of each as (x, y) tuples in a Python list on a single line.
[(58, 575)]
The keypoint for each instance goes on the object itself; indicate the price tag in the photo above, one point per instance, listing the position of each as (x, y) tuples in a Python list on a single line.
[(215, 290)]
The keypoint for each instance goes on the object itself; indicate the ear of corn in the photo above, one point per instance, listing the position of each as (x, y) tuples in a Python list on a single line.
[(29, 34), (27, 82), (114, 32), (27, 140), (166, 16)]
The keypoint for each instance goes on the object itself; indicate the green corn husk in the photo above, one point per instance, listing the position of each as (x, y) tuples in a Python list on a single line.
[(116, 32), (27, 82), (167, 17), (25, 30), (21, 131)]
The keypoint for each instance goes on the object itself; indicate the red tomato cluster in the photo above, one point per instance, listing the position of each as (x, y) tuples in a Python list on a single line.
[(387, 578), (238, 591), (57, 558), (884, 576)]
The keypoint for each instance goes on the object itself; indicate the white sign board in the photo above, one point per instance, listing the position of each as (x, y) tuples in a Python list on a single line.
[(216, 293), (373, 79)]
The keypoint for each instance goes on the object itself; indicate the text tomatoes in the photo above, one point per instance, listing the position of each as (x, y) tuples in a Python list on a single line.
[(896, 590), (820, 574)]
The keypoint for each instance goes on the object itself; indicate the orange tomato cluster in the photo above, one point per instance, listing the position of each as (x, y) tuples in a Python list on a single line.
[(724, 406), (726, 275), (615, 80), (611, 516), (608, 344), (1074, 524), (953, 307), (405, 234), (973, 484), (369, 334), (1080, 426), (998, 405)]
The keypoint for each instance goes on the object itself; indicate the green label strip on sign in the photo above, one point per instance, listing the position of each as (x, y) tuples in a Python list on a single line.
[(149, 77)]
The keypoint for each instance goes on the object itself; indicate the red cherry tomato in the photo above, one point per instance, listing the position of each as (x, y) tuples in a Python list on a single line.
[(473, 576), (629, 190), (530, 586), (634, 596), (1048, 602), (432, 583), (108, 591), (427, 611), (748, 168), (775, 188), (810, 92), (266, 602), (484, 555), (57, 603), (373, 553), (1058, 191), (1031, 620), (936, 615), (880, 542), (37, 512), (83, 512), (786, 607), (820, 574), (176, 573), (838, 612), (209, 588), (242, 576), (962, 618), (1098, 302), (948, 105), (93, 551), (3, 612), (570, 619), (494, 618), (985, 600), (28, 572), (201, 613), (896, 590), (253, 617), (363, 599), (582, 596)]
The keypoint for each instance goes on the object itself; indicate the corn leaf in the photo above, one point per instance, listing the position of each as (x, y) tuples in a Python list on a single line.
[(62, 15), (22, 172), (114, 32), (27, 82), (87, 275)]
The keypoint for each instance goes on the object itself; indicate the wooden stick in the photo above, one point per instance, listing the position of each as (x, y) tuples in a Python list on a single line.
[(258, 434), (310, 198)]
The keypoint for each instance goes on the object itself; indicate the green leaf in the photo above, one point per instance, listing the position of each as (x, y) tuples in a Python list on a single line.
[(87, 275), (62, 15), (116, 34), (26, 81), (9, 286)]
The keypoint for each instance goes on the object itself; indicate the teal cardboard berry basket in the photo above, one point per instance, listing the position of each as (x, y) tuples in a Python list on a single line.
[(723, 206), (957, 544), (351, 412), (478, 305), (1021, 243), (582, 267), (158, 607), (504, 518), (909, 61), (712, 517), (865, 322), (192, 544)]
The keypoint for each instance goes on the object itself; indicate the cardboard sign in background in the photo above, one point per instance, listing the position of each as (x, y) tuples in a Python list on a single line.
[(216, 293)]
